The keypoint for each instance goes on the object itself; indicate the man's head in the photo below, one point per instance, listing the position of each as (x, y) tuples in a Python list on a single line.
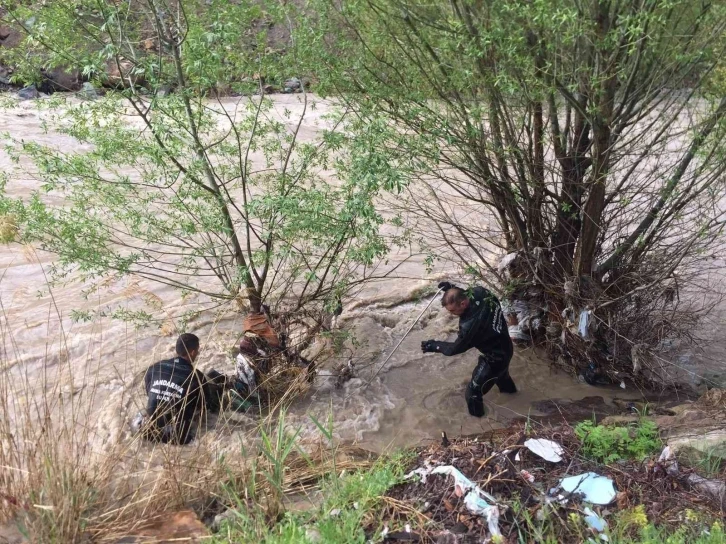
[(187, 346), (455, 301)]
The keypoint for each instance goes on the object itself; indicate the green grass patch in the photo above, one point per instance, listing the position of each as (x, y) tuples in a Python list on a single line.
[(631, 527), (654, 535), (709, 462), (351, 503), (609, 444)]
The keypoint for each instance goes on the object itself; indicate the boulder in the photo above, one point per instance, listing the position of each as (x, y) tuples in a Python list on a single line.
[(163, 90), (699, 444), (11, 36), (220, 519), (88, 91), (28, 93), (292, 85), (5, 74), (121, 75), (60, 80)]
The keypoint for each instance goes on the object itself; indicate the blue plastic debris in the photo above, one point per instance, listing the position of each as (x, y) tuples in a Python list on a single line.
[(595, 489), (594, 521)]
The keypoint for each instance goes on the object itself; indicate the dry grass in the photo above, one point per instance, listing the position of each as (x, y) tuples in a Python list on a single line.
[(65, 477), (8, 228)]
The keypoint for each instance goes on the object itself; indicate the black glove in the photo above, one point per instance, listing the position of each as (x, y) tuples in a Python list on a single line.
[(445, 286), (429, 346)]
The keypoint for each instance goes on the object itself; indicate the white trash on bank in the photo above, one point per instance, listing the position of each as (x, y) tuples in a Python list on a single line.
[(666, 455), (421, 472), (478, 506), (461, 482), (546, 449), (475, 499), (595, 489), (583, 324)]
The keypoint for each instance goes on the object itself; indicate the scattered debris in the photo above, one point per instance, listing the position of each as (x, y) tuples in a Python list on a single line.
[(584, 323), (422, 472), (524, 319), (546, 449), (594, 521), (447, 537), (402, 536), (457, 514), (665, 455), (344, 373), (594, 488), (462, 484), (474, 496), (478, 506), (715, 489)]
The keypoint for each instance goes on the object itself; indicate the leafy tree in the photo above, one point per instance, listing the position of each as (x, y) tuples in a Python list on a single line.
[(587, 135), (220, 197)]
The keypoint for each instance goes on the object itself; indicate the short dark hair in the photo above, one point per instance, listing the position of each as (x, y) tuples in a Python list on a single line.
[(186, 343), (455, 295)]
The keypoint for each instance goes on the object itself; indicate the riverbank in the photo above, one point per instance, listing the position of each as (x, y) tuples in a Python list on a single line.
[(426, 495), (498, 487), (653, 480)]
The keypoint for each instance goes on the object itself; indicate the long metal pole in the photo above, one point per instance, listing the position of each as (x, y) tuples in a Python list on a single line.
[(403, 338)]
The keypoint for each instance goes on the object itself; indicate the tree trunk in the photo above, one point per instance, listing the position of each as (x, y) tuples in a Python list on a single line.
[(605, 85), (574, 165)]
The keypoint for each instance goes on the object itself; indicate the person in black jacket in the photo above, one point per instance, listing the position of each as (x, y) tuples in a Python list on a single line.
[(481, 326), (176, 392)]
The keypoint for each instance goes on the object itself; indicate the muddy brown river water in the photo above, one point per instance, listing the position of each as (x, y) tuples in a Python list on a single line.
[(95, 365)]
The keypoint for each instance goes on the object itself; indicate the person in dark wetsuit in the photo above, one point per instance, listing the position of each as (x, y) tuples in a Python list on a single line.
[(481, 326), (176, 392)]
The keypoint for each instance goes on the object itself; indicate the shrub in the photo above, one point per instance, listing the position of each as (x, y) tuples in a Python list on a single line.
[(609, 444)]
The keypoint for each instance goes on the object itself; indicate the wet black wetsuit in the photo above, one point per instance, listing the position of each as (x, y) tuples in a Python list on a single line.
[(176, 392), (483, 327)]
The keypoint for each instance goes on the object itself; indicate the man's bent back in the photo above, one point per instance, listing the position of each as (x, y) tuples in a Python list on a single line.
[(176, 391)]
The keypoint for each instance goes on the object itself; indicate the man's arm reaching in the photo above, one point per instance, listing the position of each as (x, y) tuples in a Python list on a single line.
[(464, 341), (460, 345)]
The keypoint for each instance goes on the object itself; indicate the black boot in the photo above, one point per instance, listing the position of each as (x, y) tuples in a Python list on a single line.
[(505, 383)]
